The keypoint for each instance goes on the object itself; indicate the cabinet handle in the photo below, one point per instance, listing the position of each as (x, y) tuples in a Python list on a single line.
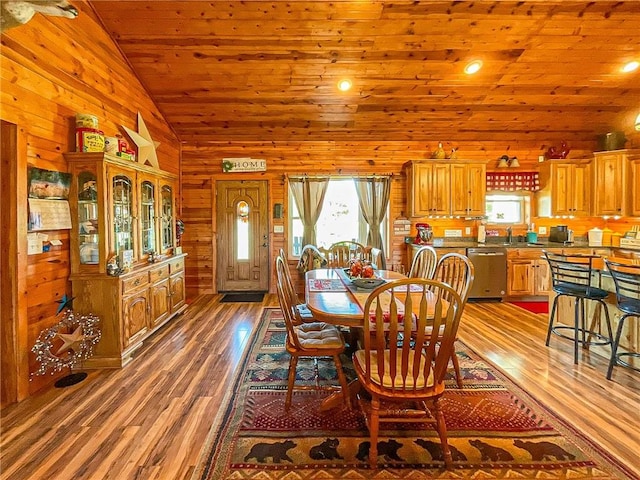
[(137, 282)]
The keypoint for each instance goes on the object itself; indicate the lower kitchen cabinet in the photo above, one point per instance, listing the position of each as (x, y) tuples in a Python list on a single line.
[(131, 307), (527, 272)]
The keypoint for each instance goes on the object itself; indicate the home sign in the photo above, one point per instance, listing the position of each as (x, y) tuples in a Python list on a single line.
[(244, 165)]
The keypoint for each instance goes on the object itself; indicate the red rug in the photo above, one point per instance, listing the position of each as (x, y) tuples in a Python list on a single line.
[(495, 429), (533, 307)]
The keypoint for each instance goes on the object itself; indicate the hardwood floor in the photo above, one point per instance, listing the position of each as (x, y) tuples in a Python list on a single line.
[(150, 419)]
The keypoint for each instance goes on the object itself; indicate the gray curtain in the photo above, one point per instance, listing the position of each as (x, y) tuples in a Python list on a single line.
[(373, 196), (308, 194)]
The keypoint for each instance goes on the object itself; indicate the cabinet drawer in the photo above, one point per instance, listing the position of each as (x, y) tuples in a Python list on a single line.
[(177, 265), (158, 273), (134, 282)]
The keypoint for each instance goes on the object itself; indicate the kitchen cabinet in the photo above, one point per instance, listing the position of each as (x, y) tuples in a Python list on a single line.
[(429, 189), (454, 187), (633, 169), (565, 188), (528, 272), (123, 211), (609, 182), (468, 189)]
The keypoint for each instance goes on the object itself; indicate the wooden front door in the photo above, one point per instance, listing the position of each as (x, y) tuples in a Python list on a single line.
[(243, 236)]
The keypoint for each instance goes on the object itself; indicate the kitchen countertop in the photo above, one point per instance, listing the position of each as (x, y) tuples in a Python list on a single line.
[(500, 242)]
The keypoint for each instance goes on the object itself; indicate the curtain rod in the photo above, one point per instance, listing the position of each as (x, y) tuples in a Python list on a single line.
[(330, 175)]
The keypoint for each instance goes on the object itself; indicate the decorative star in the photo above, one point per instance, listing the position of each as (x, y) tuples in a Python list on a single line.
[(72, 341), (144, 142), (65, 302)]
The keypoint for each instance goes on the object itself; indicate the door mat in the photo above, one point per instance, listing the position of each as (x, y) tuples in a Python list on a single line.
[(242, 297), (533, 307), (495, 429)]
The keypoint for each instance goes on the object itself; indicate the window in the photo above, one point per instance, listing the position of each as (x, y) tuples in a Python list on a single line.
[(242, 230), (340, 218), (511, 208)]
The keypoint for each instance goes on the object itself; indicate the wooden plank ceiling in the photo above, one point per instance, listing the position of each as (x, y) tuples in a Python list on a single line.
[(267, 70)]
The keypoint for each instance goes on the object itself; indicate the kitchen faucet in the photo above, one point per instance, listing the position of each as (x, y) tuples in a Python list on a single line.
[(509, 235)]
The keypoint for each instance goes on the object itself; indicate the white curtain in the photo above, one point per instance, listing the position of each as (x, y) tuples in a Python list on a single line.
[(373, 196), (308, 194)]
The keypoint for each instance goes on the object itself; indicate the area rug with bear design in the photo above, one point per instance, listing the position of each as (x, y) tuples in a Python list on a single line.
[(495, 429)]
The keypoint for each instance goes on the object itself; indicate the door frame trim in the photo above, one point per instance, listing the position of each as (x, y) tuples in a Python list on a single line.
[(269, 178), (14, 280)]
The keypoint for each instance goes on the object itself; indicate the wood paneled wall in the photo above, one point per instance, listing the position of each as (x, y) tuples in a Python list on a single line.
[(53, 68), (201, 164)]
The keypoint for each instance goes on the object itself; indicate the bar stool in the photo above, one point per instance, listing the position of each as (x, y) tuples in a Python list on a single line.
[(571, 277), (627, 281)]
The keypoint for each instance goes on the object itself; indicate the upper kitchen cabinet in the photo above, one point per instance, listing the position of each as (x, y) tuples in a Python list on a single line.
[(429, 188), (634, 185), (565, 188), (452, 187), (468, 189), (609, 182)]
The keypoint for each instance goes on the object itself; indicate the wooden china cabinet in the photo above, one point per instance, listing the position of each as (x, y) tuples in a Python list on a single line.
[(123, 211)]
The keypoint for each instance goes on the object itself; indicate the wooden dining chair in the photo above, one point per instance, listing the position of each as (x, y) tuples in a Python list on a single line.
[(401, 367), (424, 263), (301, 311), (375, 256), (457, 271), (341, 253), (314, 340)]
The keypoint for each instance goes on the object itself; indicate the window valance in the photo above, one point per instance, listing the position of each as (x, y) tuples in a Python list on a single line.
[(513, 181)]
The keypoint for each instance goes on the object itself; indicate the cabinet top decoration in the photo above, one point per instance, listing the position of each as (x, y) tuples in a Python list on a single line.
[(146, 145)]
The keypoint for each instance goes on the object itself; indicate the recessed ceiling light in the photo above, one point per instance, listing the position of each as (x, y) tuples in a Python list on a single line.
[(631, 66), (473, 67), (344, 85)]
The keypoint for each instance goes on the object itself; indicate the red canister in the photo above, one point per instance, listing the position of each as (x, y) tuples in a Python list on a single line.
[(89, 140)]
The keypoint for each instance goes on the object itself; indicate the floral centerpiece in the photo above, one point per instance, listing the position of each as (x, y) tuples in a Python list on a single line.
[(362, 274)]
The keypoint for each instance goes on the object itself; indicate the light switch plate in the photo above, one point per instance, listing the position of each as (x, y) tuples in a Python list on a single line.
[(542, 230), (467, 230), (278, 229)]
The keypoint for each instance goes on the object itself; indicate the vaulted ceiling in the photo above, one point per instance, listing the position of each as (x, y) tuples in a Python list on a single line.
[(268, 70)]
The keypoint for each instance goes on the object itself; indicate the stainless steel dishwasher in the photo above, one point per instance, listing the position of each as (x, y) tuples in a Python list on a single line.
[(490, 268)]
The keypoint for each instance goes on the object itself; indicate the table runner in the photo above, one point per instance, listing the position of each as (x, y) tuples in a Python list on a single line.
[(326, 285)]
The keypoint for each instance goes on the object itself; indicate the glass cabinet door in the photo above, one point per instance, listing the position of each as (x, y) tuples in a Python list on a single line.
[(166, 227), (147, 217), (88, 234), (123, 216)]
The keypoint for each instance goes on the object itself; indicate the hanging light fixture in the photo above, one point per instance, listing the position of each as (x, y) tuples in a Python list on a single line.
[(638, 122)]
